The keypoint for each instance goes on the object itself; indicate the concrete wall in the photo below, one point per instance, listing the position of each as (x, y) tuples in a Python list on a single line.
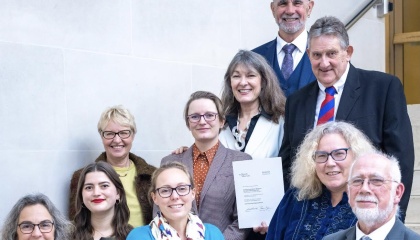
[(63, 62)]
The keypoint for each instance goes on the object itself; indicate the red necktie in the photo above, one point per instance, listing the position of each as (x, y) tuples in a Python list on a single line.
[(326, 113)]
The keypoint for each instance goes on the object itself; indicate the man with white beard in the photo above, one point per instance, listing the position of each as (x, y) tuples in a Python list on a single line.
[(374, 190)]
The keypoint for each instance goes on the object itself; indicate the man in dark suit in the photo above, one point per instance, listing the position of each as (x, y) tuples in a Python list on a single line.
[(291, 17), (374, 190), (373, 101)]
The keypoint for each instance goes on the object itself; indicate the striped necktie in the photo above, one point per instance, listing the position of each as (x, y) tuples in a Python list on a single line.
[(326, 112)]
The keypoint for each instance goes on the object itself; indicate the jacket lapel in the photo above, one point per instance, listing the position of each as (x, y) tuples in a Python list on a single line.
[(310, 106), (350, 94), (261, 130)]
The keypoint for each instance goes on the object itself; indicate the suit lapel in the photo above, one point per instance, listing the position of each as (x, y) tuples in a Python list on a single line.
[(350, 94), (215, 167), (188, 161), (310, 105), (397, 231), (351, 233), (261, 130)]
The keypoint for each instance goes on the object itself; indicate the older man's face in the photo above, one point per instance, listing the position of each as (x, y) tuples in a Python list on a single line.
[(291, 15), (328, 59), (376, 200)]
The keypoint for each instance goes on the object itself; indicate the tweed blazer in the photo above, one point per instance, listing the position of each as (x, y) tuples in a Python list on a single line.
[(143, 181), (398, 232), (217, 199), (374, 102)]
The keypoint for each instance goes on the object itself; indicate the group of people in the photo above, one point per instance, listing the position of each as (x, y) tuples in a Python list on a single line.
[(343, 134)]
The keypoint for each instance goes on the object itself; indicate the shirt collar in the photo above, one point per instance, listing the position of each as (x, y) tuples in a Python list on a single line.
[(209, 154), (379, 233), (300, 42), (339, 85)]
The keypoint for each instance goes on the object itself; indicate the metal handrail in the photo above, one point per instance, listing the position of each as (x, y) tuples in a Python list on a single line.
[(360, 14)]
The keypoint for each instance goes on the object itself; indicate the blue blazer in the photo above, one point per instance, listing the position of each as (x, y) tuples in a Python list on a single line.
[(300, 77), (398, 231), (375, 103)]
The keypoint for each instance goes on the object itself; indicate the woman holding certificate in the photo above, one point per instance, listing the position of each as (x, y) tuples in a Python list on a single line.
[(211, 165), (317, 204)]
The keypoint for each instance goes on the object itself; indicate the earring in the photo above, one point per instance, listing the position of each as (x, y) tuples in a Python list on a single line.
[(117, 202)]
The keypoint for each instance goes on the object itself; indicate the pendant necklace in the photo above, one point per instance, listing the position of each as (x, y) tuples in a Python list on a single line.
[(126, 171)]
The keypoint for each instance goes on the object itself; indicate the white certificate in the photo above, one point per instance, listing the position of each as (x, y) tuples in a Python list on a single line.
[(259, 189)]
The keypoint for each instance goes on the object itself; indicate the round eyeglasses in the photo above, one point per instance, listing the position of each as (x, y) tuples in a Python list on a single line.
[(28, 228), (181, 190), (208, 117), (122, 134), (337, 154)]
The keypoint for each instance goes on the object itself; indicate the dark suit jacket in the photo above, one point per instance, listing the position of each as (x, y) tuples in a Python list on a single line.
[(398, 232), (217, 199), (300, 77), (375, 103)]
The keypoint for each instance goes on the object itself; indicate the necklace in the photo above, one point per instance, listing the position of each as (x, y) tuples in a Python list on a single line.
[(126, 171), (240, 135)]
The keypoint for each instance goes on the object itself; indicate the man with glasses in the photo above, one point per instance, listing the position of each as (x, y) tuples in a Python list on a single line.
[(372, 101), (286, 54), (374, 190)]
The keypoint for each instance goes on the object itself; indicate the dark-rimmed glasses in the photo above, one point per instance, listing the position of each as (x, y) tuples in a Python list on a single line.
[(376, 182), (181, 190), (122, 134), (28, 228), (208, 117), (337, 154)]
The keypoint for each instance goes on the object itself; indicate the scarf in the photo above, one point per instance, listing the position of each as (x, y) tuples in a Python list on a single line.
[(161, 230)]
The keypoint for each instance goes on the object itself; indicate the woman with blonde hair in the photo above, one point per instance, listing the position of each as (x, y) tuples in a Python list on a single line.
[(173, 191), (317, 204)]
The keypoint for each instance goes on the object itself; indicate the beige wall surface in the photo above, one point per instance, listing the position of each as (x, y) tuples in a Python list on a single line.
[(63, 62)]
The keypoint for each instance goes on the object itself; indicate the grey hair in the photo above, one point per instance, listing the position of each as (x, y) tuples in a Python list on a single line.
[(303, 172), (62, 227), (395, 170), (330, 26)]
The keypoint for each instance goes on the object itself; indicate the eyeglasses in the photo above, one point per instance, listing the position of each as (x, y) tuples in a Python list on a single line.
[(337, 154), (208, 117), (122, 134), (28, 228), (181, 190), (377, 182)]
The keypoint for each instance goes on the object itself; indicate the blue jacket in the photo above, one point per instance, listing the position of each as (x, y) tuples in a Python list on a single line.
[(301, 76)]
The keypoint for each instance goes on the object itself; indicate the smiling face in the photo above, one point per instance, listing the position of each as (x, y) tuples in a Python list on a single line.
[(374, 204), (246, 85), (35, 214), (174, 208), (99, 193), (117, 149), (206, 132), (329, 61), (291, 16), (333, 174)]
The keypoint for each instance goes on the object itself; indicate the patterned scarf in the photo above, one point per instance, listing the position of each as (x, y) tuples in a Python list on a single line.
[(161, 229)]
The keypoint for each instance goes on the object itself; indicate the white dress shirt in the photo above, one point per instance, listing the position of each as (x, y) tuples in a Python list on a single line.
[(378, 234), (339, 87), (301, 44)]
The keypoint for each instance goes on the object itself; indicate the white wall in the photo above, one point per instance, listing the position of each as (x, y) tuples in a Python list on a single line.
[(63, 62)]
